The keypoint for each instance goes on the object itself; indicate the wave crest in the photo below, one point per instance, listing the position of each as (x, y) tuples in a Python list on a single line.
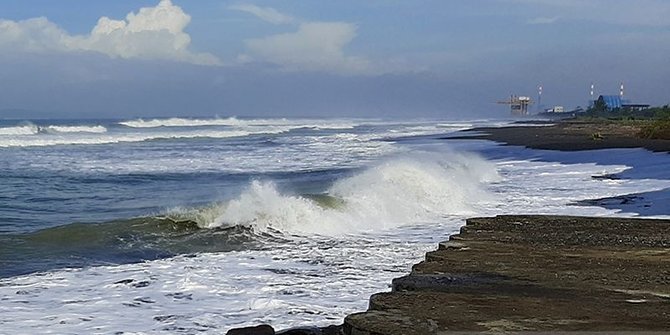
[(400, 191), (181, 122), (76, 129), (235, 122), (23, 129), (92, 139)]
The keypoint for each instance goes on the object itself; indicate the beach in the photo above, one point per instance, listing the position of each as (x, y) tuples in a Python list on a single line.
[(571, 135)]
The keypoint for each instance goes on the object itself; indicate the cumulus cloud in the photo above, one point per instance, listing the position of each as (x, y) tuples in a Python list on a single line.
[(267, 14), (151, 33), (315, 46)]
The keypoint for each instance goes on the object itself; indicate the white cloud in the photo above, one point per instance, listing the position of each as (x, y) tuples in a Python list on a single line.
[(267, 14), (315, 46), (151, 33), (543, 20), (624, 12), (32, 35)]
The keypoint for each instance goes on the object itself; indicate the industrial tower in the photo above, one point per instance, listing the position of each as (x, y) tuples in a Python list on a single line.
[(518, 104)]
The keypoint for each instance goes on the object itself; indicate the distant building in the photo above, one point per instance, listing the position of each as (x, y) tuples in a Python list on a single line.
[(556, 109), (611, 101), (616, 102)]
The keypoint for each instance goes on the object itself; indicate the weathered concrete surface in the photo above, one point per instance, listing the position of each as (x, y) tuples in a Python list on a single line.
[(532, 273)]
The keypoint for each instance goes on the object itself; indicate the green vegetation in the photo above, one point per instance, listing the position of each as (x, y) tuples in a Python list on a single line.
[(656, 129), (599, 107), (597, 136), (600, 110), (653, 123)]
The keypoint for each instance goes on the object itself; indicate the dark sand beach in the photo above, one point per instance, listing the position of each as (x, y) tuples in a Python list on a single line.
[(570, 135)]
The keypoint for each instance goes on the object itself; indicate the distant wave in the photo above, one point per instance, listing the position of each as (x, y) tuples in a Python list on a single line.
[(25, 129), (104, 138), (75, 129), (28, 128), (235, 122), (180, 122)]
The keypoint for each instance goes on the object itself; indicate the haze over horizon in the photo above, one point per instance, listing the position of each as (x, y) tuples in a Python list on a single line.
[(375, 58)]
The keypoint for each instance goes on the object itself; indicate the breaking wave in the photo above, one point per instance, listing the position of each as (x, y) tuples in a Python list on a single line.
[(75, 129), (24, 129), (405, 190), (27, 128), (104, 138), (409, 190), (181, 122), (235, 122)]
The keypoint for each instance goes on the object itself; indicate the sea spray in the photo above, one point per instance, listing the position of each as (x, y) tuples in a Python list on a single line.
[(180, 122), (98, 129), (402, 190), (95, 136), (235, 122), (25, 128)]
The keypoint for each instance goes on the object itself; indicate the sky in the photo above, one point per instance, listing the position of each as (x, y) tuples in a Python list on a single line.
[(345, 58)]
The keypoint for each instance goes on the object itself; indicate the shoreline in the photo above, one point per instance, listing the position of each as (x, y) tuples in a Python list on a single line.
[(571, 135), (533, 273), (526, 273), (567, 135)]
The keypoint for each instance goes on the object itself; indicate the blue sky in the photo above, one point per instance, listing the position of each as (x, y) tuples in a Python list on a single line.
[(122, 58)]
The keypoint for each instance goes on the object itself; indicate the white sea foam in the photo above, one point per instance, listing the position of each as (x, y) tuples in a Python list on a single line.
[(301, 282), (24, 129), (76, 129), (155, 129), (235, 122), (75, 138), (180, 122), (313, 279), (331, 258), (399, 191)]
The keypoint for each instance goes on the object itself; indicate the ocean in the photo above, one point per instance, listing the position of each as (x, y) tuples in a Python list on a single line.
[(186, 225)]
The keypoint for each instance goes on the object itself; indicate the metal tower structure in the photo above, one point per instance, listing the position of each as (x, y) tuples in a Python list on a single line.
[(518, 104)]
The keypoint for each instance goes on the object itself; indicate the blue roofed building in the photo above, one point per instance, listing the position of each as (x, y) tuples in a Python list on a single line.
[(613, 102)]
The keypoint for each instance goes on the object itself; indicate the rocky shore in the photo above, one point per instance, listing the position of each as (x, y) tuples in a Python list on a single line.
[(569, 135), (533, 273)]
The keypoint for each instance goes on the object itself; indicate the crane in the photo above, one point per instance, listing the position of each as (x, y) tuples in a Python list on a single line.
[(518, 104)]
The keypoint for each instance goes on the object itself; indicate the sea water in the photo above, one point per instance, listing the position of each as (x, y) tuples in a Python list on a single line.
[(186, 225)]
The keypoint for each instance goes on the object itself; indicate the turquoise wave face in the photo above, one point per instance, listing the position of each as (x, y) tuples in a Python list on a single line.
[(117, 242)]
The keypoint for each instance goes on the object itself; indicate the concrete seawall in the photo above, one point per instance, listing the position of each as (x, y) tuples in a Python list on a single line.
[(532, 274)]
